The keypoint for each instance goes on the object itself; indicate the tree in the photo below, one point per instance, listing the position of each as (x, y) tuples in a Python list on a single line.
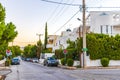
[(2, 22), (2, 13), (46, 36), (7, 31), (16, 51), (33, 52), (71, 44), (27, 50), (78, 46), (30, 51), (71, 49), (96, 44), (101, 45), (59, 53)]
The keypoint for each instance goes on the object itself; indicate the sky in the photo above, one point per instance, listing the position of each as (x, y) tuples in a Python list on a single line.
[(30, 16)]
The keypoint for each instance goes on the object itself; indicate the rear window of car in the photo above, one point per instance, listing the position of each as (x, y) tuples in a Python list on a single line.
[(51, 58), (15, 59)]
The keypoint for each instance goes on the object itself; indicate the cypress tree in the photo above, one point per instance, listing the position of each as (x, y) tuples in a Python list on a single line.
[(46, 35)]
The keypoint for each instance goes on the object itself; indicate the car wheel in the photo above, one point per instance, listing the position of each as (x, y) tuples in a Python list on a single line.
[(56, 65), (44, 64), (47, 64)]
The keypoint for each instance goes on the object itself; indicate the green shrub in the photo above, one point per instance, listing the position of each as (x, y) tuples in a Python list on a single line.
[(105, 62), (63, 61), (1, 57), (70, 62), (59, 53)]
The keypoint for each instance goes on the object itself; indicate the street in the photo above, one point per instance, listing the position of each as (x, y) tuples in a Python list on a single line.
[(36, 71)]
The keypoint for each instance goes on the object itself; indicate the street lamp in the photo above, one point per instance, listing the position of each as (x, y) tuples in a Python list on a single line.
[(80, 27)]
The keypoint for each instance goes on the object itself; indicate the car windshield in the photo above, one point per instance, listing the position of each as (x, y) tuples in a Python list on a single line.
[(51, 58)]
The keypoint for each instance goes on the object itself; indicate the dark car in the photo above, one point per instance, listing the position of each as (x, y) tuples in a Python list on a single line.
[(50, 61), (15, 61)]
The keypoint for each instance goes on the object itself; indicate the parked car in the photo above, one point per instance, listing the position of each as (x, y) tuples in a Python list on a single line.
[(35, 60), (50, 61), (15, 61), (28, 59)]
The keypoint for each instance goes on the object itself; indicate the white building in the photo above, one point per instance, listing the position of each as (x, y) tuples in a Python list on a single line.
[(106, 22), (51, 41), (61, 41)]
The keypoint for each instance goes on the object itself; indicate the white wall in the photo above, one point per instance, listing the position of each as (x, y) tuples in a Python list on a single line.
[(91, 63), (45, 55), (2, 61)]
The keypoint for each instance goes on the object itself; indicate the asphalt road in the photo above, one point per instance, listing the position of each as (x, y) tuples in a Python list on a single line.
[(35, 71)]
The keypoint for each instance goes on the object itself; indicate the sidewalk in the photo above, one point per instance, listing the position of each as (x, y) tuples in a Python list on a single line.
[(4, 70), (100, 67), (90, 67)]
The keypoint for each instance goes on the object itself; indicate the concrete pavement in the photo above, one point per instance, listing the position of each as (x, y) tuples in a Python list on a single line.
[(28, 70), (4, 70)]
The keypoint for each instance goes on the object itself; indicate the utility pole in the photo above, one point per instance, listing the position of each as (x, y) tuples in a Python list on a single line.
[(39, 50), (39, 36), (79, 31), (84, 33)]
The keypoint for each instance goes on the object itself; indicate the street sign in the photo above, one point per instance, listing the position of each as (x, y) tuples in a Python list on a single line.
[(65, 51), (84, 49), (8, 52)]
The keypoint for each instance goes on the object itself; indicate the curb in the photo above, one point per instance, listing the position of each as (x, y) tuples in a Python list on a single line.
[(67, 67), (100, 67), (71, 68), (94, 67)]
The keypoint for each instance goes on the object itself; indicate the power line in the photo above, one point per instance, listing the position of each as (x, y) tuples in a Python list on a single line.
[(66, 22), (102, 7), (74, 4), (62, 12), (61, 3), (54, 11), (58, 12), (67, 7)]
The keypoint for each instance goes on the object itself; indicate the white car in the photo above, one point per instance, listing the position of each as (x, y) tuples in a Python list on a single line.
[(35, 60)]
